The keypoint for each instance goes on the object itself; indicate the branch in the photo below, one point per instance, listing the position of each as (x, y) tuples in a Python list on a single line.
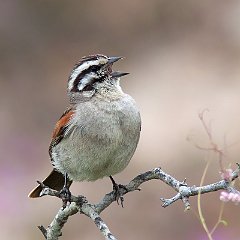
[(80, 204)]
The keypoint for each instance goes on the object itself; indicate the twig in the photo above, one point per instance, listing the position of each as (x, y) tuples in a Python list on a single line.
[(80, 204)]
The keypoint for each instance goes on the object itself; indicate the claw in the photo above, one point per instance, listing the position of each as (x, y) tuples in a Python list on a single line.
[(65, 193), (117, 192)]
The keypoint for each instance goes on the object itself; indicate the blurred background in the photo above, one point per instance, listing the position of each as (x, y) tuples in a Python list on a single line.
[(183, 56)]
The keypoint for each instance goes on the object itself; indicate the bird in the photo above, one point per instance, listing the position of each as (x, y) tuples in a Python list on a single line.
[(98, 134)]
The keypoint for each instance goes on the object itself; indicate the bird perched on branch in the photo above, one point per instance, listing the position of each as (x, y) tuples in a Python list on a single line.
[(98, 134)]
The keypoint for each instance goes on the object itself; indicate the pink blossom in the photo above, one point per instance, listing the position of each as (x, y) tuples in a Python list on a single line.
[(227, 174), (225, 197)]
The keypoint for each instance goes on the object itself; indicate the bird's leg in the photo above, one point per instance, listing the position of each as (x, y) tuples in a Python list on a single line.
[(65, 193), (117, 193)]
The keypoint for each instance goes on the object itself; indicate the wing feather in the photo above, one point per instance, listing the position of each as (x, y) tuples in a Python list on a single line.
[(60, 128)]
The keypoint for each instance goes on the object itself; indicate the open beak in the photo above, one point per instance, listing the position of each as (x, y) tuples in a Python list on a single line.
[(118, 74)]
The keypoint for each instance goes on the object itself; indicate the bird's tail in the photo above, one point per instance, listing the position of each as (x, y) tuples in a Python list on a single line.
[(55, 180)]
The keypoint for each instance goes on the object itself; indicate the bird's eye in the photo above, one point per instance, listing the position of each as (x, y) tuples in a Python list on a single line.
[(94, 68)]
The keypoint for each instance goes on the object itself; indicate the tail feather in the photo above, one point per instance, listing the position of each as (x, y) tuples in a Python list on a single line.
[(55, 180)]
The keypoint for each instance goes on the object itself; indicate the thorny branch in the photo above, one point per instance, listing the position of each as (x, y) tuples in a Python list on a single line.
[(80, 204)]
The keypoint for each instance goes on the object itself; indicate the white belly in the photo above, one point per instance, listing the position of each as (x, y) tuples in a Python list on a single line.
[(100, 145)]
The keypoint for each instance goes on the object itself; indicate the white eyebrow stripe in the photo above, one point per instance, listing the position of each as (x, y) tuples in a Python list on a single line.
[(86, 80), (80, 69)]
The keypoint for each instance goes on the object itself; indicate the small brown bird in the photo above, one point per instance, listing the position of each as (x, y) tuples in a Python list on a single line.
[(98, 134)]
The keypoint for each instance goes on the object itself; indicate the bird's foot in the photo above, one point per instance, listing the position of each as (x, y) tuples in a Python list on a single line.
[(117, 191), (65, 195)]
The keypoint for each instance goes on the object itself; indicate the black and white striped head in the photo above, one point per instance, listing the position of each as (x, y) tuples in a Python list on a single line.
[(89, 70)]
